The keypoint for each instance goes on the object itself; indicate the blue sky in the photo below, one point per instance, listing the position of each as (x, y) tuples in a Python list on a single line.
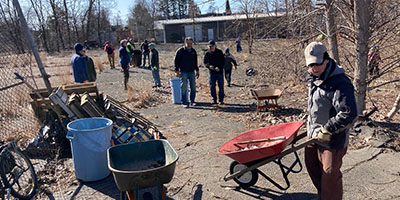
[(124, 5)]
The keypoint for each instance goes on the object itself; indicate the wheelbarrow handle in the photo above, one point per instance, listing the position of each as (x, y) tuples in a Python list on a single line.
[(270, 159), (261, 140), (19, 76)]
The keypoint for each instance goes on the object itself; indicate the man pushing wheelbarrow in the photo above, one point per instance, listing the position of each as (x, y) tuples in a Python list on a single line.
[(332, 110)]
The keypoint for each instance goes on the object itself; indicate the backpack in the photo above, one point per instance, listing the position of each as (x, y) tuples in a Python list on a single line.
[(109, 50)]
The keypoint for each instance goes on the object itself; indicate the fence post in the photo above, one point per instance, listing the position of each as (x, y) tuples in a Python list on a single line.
[(33, 46)]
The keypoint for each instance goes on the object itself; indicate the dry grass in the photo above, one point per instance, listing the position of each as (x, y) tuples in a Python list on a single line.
[(139, 97), (43, 57), (99, 65)]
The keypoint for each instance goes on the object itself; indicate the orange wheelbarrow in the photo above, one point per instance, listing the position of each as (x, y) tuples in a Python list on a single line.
[(256, 148), (267, 98)]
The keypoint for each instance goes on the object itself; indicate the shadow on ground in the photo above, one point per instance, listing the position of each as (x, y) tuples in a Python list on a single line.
[(105, 186), (232, 108), (262, 193)]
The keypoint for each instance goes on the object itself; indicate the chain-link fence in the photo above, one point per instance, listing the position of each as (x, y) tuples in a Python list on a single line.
[(17, 119), (18, 116)]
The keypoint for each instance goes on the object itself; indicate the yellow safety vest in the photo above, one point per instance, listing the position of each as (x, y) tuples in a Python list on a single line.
[(127, 49)]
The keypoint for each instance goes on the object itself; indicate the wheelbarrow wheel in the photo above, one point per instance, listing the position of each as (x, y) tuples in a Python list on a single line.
[(247, 179)]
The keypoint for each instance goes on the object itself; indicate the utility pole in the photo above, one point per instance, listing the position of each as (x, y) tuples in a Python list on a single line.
[(33, 46)]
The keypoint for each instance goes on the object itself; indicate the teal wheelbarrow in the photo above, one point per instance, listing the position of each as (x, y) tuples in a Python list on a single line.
[(140, 165)]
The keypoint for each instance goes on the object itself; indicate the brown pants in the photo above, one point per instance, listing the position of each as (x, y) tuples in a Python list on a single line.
[(323, 166), (111, 61)]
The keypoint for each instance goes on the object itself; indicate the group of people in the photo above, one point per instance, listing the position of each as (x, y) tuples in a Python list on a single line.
[(131, 50), (215, 61), (125, 57)]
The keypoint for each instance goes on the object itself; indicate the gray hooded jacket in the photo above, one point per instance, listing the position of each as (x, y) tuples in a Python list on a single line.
[(331, 105)]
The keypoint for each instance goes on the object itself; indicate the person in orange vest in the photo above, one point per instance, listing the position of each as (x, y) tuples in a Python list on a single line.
[(109, 48)]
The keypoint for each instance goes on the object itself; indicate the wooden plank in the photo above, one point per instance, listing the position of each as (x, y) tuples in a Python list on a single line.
[(75, 106), (69, 89), (91, 108)]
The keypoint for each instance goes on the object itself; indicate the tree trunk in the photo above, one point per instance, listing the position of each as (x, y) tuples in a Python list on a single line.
[(57, 25), (362, 19), (331, 30), (41, 24), (11, 29), (67, 23), (89, 19), (99, 23), (395, 108)]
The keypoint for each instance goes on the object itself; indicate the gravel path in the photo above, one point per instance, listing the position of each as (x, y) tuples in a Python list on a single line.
[(197, 132)]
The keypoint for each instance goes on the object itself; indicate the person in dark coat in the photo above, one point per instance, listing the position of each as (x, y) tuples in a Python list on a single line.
[(332, 109), (186, 68), (78, 63), (91, 69), (154, 65), (124, 59), (214, 61), (229, 60), (238, 46), (145, 52)]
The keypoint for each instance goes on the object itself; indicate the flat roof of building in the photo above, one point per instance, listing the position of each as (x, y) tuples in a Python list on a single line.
[(159, 23)]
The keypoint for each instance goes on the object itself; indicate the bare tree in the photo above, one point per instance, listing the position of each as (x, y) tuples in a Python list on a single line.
[(88, 15), (362, 19), (67, 23), (396, 107), (141, 20), (251, 9), (331, 29), (54, 8), (38, 8), (9, 18)]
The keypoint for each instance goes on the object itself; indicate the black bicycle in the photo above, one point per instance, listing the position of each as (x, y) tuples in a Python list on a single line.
[(17, 173)]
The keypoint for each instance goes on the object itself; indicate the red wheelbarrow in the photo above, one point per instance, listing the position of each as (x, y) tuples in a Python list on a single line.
[(258, 147)]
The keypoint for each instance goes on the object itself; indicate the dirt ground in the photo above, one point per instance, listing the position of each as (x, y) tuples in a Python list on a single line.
[(370, 168)]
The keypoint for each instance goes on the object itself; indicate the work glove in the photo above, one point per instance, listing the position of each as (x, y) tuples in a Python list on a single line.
[(324, 135), (217, 69), (155, 68)]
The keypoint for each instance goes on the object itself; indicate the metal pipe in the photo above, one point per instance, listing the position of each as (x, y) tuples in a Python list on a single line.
[(33, 46)]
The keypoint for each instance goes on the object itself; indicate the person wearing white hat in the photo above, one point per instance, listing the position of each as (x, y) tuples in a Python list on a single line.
[(332, 110)]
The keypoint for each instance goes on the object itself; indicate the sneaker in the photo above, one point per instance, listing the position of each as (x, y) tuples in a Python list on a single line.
[(193, 104), (214, 102), (221, 103), (154, 86), (185, 105)]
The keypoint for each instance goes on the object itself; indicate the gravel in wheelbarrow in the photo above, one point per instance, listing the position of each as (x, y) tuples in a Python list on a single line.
[(260, 143), (142, 164)]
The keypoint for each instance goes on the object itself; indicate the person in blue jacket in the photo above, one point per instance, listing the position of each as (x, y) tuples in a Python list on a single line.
[(78, 63), (124, 59)]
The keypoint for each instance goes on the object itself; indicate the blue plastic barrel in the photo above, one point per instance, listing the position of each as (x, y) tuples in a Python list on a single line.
[(176, 90), (90, 139)]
